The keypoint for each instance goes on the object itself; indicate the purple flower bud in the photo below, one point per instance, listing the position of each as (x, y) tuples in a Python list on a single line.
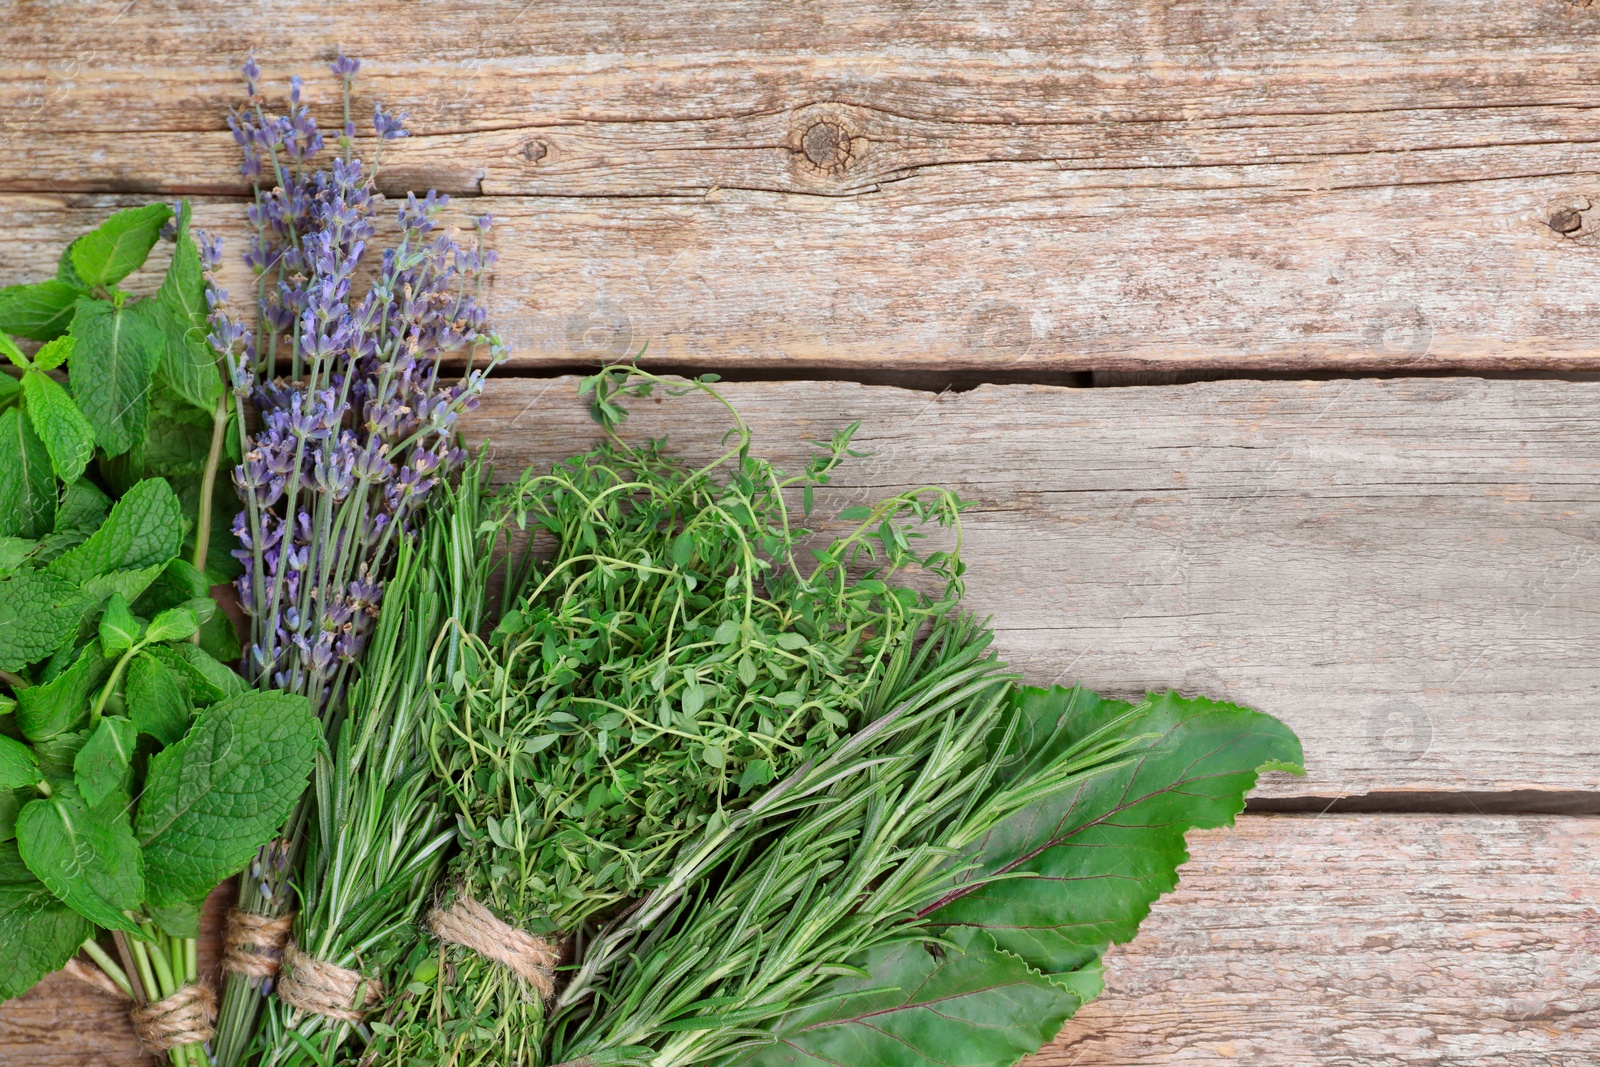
[(345, 67), (387, 124)]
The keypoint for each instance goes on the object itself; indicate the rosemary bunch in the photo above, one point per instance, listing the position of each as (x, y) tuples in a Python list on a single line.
[(378, 831), (662, 659), (757, 921)]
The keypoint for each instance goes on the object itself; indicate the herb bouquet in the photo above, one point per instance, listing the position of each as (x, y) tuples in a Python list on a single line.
[(136, 770), (717, 807)]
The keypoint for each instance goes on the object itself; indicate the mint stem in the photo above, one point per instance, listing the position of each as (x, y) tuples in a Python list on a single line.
[(103, 960), (208, 484)]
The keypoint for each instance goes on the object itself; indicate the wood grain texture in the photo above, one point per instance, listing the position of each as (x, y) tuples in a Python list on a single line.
[(1020, 188), (1402, 570), (1356, 941), (1344, 941)]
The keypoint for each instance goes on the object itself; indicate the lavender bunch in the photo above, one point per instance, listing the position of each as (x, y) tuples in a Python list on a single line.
[(356, 416)]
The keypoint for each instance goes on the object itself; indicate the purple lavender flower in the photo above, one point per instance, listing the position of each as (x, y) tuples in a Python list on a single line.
[(387, 124), (356, 421)]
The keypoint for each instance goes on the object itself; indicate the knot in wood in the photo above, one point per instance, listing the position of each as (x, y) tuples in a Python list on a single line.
[(1567, 221), (827, 145), (534, 151)]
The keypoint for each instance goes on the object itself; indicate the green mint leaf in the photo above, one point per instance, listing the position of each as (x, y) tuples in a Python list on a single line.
[(207, 680), (156, 699), (178, 920), (39, 312), (19, 768), (126, 584), (9, 349), (83, 508), (87, 856), (15, 552), (971, 1004), (52, 355), (144, 529), (114, 354), (27, 481), (118, 247), (64, 271), (62, 704), (56, 755), (211, 799), (219, 639), (178, 583), (179, 439), (38, 933), (118, 630), (39, 613), (103, 767), (188, 364), (9, 806), (1104, 850), (66, 434), (174, 624)]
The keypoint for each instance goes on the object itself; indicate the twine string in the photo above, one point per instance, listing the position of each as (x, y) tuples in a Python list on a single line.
[(253, 944), (469, 924), (324, 988), (187, 1017)]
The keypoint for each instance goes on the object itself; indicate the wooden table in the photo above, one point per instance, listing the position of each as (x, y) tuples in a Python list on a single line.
[(1264, 336)]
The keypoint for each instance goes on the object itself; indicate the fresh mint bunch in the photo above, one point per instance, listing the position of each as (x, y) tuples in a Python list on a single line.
[(136, 769)]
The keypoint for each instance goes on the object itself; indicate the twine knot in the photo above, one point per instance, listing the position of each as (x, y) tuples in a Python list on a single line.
[(466, 922), (324, 988), (253, 944), (187, 1017)]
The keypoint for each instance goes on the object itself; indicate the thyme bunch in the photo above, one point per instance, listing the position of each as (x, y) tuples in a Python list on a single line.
[(663, 656)]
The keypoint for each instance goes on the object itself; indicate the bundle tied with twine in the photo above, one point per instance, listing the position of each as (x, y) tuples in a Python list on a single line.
[(260, 947), (467, 923), (324, 988), (253, 944), (187, 1017)]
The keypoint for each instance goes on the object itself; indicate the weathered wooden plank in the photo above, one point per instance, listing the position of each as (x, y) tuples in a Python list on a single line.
[(1343, 940), (896, 186), (1402, 570), (1358, 940)]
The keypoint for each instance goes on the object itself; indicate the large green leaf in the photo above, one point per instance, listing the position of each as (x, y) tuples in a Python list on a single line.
[(188, 366), (213, 798), (41, 312), (87, 856), (966, 1004), (38, 933), (62, 703), (18, 765), (1101, 853), (114, 355), (67, 435), (103, 767), (156, 699), (144, 529), (27, 482), (118, 246), (38, 614)]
